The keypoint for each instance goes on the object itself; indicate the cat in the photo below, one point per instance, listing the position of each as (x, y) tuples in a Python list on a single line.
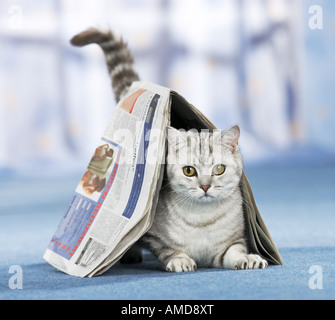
[(199, 219)]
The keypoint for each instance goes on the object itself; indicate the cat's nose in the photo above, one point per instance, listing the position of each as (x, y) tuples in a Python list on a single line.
[(205, 188)]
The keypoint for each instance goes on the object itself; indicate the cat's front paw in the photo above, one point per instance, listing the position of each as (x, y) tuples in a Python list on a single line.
[(250, 261), (181, 263)]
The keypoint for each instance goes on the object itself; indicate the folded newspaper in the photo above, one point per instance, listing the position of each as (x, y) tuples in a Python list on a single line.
[(114, 203)]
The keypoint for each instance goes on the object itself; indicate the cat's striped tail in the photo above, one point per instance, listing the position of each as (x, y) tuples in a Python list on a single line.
[(119, 60)]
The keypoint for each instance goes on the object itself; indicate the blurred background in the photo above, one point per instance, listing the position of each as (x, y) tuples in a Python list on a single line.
[(268, 65)]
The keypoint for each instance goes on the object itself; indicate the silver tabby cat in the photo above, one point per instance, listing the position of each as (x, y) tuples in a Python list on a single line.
[(199, 217)]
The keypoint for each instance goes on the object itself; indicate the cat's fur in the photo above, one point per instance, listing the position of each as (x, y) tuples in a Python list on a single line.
[(199, 219), (119, 60)]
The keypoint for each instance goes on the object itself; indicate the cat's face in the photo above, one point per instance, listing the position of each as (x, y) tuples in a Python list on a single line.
[(204, 167)]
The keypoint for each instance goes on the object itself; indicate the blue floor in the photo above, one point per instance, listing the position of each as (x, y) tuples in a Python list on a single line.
[(297, 204)]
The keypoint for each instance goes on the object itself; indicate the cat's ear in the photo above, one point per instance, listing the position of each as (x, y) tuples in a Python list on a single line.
[(175, 138), (230, 137)]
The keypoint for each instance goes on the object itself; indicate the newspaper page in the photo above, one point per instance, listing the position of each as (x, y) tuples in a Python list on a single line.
[(118, 191)]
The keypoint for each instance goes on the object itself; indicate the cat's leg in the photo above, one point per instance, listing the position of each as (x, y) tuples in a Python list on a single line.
[(173, 259), (180, 262), (236, 257)]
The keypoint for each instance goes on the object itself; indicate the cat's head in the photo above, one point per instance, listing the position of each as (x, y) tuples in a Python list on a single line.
[(204, 167)]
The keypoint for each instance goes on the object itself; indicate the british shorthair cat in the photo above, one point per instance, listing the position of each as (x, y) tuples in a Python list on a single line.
[(199, 218)]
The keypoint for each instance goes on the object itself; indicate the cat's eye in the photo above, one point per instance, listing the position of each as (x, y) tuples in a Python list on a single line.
[(189, 171), (219, 169)]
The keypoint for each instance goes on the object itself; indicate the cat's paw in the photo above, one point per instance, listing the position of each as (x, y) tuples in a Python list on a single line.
[(250, 261), (181, 263)]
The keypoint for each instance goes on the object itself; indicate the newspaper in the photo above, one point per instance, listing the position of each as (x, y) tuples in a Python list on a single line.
[(117, 192), (114, 202)]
